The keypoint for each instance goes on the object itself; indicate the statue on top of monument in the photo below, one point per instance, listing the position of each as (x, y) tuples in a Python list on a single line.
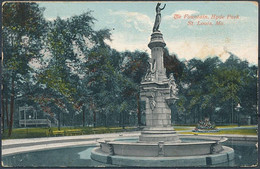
[(158, 17)]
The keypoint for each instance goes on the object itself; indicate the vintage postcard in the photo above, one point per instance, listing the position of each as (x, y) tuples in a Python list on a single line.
[(129, 84)]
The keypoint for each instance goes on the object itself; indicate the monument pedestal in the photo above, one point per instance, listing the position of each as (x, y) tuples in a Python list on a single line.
[(156, 92), (159, 135)]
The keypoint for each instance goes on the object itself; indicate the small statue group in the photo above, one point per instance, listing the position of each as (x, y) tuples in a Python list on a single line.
[(206, 124), (151, 71), (173, 86)]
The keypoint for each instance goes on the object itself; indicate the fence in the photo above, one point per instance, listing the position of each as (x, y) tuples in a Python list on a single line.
[(35, 122)]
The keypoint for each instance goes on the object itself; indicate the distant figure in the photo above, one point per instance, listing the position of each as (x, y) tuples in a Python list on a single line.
[(158, 17)]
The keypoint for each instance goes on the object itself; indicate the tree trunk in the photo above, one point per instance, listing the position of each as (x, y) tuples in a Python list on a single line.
[(3, 108), (94, 118), (6, 110), (177, 117), (185, 118), (123, 119), (194, 116), (83, 115), (232, 112), (138, 110), (2, 96), (198, 113), (92, 105), (11, 108), (59, 120), (120, 119), (63, 122), (222, 118)]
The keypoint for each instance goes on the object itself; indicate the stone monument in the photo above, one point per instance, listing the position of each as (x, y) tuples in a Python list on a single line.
[(158, 91), (159, 145)]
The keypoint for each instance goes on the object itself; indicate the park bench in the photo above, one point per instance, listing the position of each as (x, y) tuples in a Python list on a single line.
[(99, 131), (73, 132), (58, 133), (95, 131), (87, 131)]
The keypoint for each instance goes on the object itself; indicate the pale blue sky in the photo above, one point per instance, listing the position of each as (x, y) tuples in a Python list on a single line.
[(133, 22)]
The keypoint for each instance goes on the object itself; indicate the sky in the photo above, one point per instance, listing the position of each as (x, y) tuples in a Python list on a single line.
[(131, 26)]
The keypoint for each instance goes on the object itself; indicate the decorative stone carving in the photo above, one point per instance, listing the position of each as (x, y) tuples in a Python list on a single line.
[(160, 148), (153, 68), (215, 148), (151, 72), (158, 93), (111, 149), (152, 102), (147, 76), (173, 86)]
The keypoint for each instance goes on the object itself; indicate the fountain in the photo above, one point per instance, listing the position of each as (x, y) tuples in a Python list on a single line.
[(159, 145)]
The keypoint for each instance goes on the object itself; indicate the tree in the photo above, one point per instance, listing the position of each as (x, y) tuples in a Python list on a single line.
[(135, 67), (69, 44), (172, 65), (23, 27)]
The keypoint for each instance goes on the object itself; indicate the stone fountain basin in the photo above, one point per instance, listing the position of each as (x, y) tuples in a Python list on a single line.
[(190, 146), (191, 151)]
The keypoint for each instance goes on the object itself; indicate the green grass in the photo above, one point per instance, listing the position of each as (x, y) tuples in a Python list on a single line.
[(181, 129), (45, 132), (235, 131), (26, 133), (223, 126), (227, 126), (235, 126), (184, 125), (49, 132)]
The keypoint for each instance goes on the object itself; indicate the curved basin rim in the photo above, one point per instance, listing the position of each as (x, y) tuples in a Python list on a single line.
[(207, 140), (156, 143)]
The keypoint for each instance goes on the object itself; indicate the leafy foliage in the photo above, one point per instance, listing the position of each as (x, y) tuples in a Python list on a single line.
[(212, 88), (23, 27)]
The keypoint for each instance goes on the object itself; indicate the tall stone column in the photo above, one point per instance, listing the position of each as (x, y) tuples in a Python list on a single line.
[(156, 92), (157, 45)]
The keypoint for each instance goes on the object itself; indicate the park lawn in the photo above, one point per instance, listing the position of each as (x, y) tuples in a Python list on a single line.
[(50, 132), (184, 126), (188, 127), (222, 126), (235, 126), (26, 133), (235, 131), (181, 129)]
